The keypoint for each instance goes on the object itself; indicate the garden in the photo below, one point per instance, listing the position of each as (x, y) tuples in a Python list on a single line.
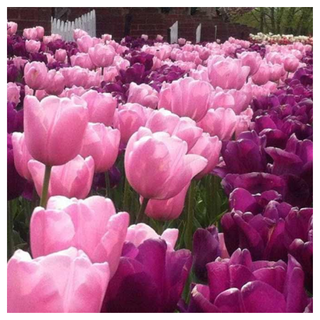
[(144, 176)]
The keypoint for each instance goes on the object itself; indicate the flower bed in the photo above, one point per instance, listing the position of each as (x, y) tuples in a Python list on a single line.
[(149, 177)]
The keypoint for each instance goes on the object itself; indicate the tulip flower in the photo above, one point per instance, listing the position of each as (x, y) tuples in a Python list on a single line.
[(72, 283), (168, 209), (12, 28), (102, 55), (54, 128), (143, 94), (73, 179), (240, 285), (252, 60), (227, 73), (13, 93), (220, 122), (129, 118), (157, 165), (149, 279), (101, 107), (55, 83), (262, 76), (209, 148), (291, 63), (186, 97), (102, 144), (35, 75), (85, 43), (21, 155), (69, 222), (33, 46), (14, 119), (82, 60), (208, 245), (138, 233), (60, 55)]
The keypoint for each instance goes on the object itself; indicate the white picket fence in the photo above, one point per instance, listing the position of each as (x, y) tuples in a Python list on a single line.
[(86, 22)]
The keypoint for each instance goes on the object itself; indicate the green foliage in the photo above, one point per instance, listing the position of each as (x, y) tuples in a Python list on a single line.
[(278, 20)]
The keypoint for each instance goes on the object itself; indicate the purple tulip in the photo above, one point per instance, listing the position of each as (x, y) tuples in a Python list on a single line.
[(148, 279)]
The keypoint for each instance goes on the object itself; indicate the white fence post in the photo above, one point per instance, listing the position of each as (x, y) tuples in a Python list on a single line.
[(198, 33), (174, 33), (86, 22)]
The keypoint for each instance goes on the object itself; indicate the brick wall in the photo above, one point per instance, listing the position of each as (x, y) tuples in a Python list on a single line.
[(136, 21), (31, 17)]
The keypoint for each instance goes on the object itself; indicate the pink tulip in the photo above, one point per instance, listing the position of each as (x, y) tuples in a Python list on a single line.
[(102, 55), (30, 33), (40, 32), (220, 122), (242, 98), (35, 75), (21, 155), (94, 79), (252, 60), (54, 128), (209, 148), (102, 143), (60, 55), (227, 73), (110, 73), (182, 41), (73, 179), (106, 37), (85, 43), (143, 94), (144, 37), (221, 99), (262, 76), (165, 121), (138, 233), (243, 121), (12, 28), (159, 37), (33, 46), (129, 118), (82, 60), (167, 209), (78, 33), (186, 97), (55, 82), (157, 166), (277, 71), (201, 73), (91, 225), (13, 93), (101, 106), (291, 63), (75, 76), (65, 281), (69, 92), (19, 62), (53, 37), (162, 120)]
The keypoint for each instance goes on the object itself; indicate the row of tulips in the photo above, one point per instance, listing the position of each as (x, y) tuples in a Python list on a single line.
[(137, 170)]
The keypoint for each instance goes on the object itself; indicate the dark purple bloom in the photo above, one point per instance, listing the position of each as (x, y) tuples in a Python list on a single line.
[(15, 183), (149, 279), (240, 285)]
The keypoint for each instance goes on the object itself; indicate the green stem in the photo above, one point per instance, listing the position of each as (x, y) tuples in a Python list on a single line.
[(126, 195), (45, 187), (215, 181), (142, 210), (210, 198), (190, 215), (108, 188), (10, 245)]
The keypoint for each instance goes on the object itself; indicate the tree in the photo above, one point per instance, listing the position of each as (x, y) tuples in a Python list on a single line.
[(292, 20)]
